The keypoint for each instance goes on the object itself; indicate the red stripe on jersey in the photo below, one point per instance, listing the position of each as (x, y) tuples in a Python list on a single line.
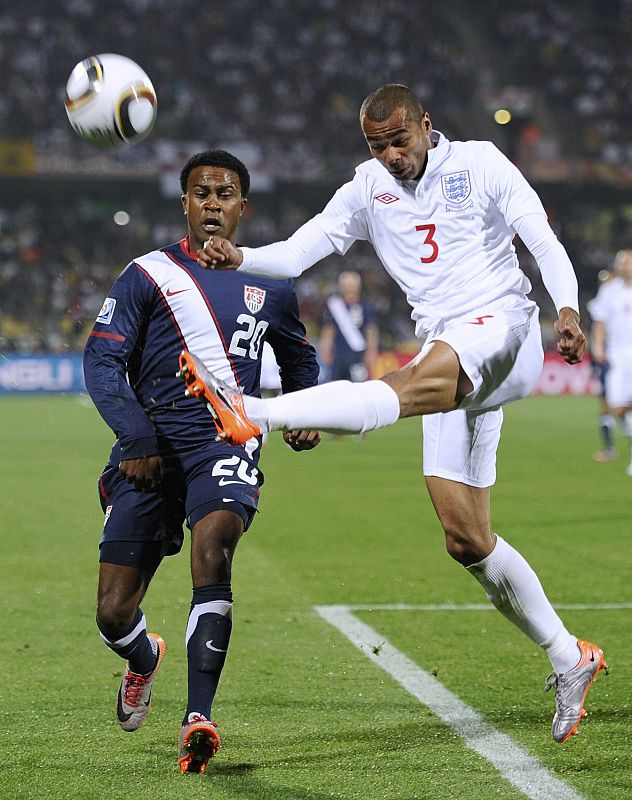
[(102, 491), (105, 335), (183, 245), (165, 303)]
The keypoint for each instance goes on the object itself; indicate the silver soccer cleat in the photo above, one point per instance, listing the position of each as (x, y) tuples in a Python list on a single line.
[(571, 688)]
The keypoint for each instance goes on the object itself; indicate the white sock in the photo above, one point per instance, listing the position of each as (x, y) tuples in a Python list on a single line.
[(626, 424), (338, 407), (514, 588)]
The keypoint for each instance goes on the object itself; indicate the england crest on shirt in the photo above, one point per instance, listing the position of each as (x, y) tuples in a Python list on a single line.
[(254, 298), (456, 188)]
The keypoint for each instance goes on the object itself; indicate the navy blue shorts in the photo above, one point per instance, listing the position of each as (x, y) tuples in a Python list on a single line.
[(193, 485)]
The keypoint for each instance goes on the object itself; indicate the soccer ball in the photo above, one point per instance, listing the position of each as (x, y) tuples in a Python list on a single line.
[(110, 100)]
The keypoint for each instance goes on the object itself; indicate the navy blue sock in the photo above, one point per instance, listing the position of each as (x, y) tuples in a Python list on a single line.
[(607, 425), (207, 638), (133, 644)]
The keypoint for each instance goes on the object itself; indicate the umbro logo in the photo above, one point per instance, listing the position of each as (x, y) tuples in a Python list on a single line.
[(386, 198)]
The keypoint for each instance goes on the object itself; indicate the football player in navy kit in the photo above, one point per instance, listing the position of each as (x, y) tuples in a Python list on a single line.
[(167, 466), (349, 336)]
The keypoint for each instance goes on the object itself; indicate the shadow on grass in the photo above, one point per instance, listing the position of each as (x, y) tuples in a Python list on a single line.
[(241, 781)]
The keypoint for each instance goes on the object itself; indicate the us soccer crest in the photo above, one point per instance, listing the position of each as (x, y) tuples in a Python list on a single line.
[(254, 298), (456, 189)]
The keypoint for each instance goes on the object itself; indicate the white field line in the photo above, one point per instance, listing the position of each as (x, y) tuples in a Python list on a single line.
[(477, 607), (515, 765)]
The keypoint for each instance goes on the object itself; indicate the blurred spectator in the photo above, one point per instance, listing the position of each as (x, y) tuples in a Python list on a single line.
[(290, 93)]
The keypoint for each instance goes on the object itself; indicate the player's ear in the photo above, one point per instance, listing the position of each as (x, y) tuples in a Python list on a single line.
[(426, 124), (244, 201), (183, 199)]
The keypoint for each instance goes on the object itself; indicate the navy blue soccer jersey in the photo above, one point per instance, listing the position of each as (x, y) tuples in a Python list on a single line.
[(162, 303)]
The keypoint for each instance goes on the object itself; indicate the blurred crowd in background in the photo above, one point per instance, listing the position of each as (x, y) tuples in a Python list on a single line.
[(283, 80)]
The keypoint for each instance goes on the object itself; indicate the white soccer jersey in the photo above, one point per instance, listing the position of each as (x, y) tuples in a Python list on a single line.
[(446, 238), (613, 307)]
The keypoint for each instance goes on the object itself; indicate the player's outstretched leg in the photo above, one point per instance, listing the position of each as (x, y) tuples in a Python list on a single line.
[(571, 688), (339, 407), (134, 696), (225, 403), (199, 741)]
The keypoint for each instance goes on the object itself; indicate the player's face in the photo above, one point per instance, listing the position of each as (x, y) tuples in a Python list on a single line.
[(623, 265), (213, 204), (400, 144)]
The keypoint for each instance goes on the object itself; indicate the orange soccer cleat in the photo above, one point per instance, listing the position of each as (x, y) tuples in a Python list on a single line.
[(225, 403), (198, 743)]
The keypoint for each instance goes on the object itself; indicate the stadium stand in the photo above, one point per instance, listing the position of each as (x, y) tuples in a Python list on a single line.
[(563, 70)]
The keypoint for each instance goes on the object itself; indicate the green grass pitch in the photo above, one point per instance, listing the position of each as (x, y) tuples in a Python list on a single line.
[(302, 713)]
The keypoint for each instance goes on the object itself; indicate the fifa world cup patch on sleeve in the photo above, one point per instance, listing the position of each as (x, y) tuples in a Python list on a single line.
[(107, 311)]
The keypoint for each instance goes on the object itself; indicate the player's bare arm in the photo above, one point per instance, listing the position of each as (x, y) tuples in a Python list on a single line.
[(301, 440), (572, 344), (145, 472), (598, 342), (219, 253)]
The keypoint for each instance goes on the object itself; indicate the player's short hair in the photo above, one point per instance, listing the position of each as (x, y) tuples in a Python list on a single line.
[(381, 103), (216, 158)]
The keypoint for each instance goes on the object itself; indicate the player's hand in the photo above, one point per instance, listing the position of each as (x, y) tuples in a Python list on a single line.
[(572, 344), (219, 253), (145, 473), (301, 440)]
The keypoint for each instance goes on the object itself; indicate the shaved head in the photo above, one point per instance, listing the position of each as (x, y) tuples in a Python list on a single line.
[(381, 103)]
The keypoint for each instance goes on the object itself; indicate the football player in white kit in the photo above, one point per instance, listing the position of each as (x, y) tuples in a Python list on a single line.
[(441, 216), (607, 420), (611, 311)]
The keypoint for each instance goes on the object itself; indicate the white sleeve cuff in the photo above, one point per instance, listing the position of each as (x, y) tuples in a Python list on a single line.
[(290, 258)]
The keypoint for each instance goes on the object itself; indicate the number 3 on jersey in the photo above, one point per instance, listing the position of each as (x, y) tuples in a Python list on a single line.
[(430, 230), (247, 339)]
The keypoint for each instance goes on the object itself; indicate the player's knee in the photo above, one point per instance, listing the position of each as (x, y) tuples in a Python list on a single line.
[(213, 547), (115, 615), (465, 547), (213, 565)]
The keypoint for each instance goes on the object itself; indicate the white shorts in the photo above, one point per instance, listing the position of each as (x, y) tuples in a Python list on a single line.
[(619, 380), (501, 352)]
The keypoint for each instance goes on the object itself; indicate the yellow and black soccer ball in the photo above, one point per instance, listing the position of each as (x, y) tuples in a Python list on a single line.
[(110, 100)]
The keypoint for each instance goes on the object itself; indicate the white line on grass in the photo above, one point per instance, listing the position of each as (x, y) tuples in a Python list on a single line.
[(478, 607), (516, 765)]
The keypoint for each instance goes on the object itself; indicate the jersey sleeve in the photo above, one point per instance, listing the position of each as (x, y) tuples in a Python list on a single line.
[(111, 346), (296, 357), (341, 223), (507, 186)]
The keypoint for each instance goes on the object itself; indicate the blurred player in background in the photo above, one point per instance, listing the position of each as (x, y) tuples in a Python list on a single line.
[(166, 465), (349, 336), (607, 421), (611, 345), (441, 216)]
